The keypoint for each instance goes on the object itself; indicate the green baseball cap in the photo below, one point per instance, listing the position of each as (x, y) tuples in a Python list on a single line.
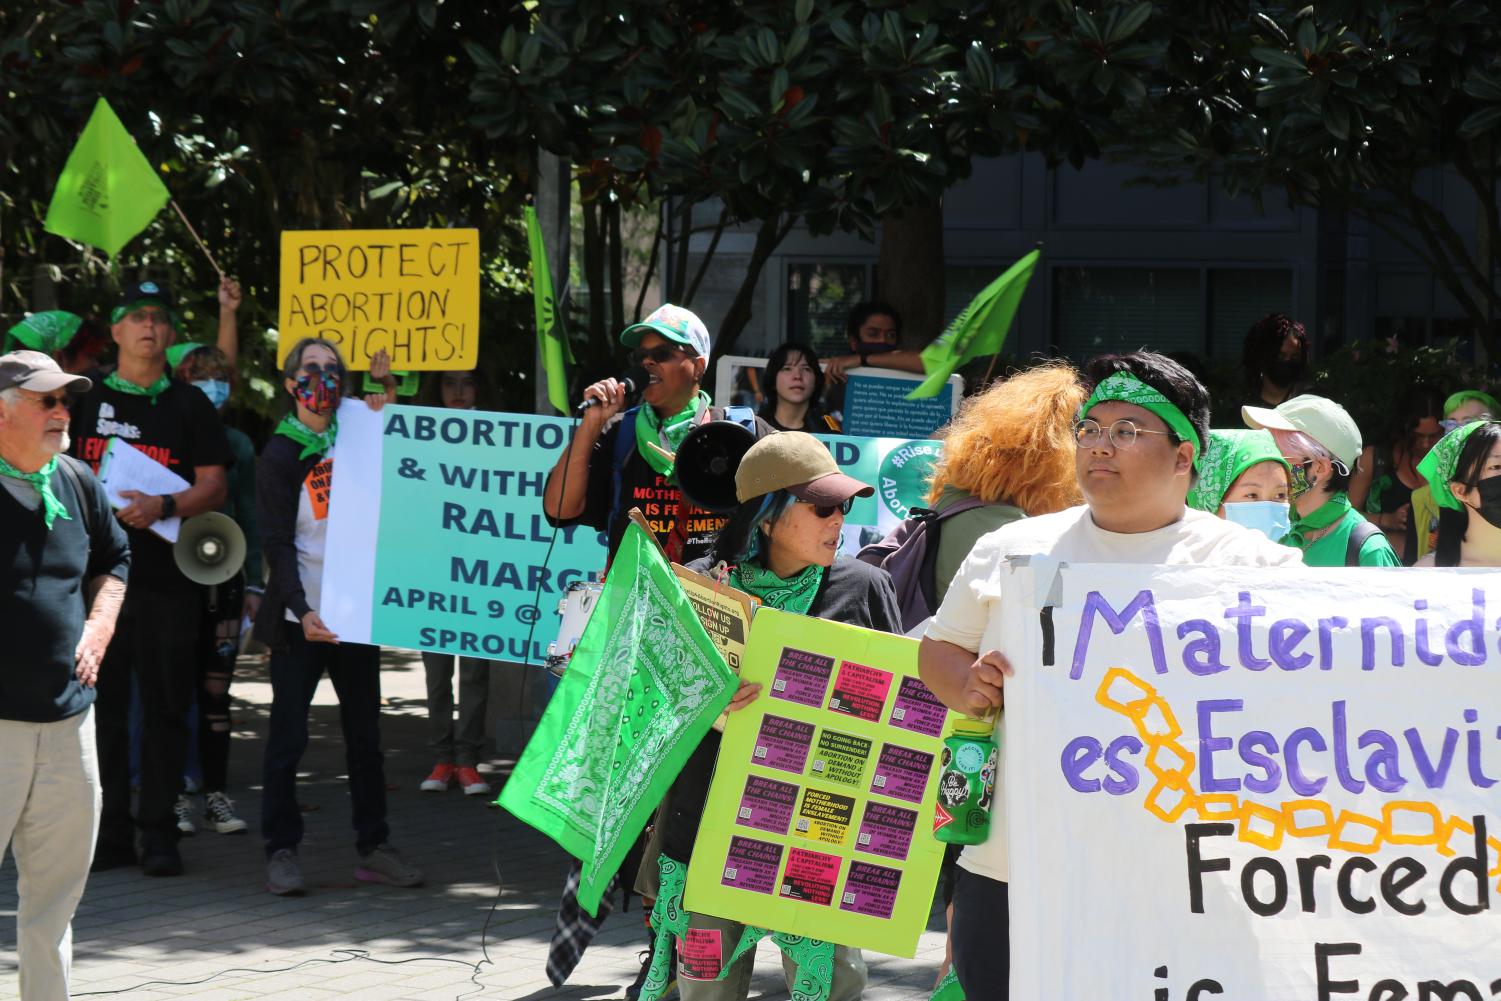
[(1323, 420), (674, 323), (177, 352)]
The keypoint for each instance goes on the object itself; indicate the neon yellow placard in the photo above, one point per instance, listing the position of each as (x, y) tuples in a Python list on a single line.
[(414, 292), (819, 820)]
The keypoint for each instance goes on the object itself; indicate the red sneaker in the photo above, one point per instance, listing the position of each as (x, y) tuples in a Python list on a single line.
[(473, 782), (440, 778)]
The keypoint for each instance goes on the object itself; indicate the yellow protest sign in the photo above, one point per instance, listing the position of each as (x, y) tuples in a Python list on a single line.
[(414, 292)]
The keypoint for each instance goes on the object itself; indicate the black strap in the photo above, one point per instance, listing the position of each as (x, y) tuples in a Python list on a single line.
[(1360, 533)]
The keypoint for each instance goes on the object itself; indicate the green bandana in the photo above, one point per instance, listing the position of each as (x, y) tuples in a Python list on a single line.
[(1328, 513), (1127, 388), (668, 433), (1229, 454), (312, 442), (792, 595), (119, 385), (52, 508), (1442, 462)]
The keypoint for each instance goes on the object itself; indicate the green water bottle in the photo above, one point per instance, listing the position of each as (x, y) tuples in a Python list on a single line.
[(967, 783)]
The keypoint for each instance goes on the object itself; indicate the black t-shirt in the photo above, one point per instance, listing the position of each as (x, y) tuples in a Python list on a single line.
[(44, 602), (686, 532), (854, 593), (180, 430)]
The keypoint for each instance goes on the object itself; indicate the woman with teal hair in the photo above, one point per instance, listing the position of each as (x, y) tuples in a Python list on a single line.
[(1464, 473), (1244, 478)]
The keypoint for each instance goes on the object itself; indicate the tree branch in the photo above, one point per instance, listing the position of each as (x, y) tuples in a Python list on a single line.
[(703, 265)]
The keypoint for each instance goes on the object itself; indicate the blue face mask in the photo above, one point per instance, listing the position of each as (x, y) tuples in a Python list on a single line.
[(1270, 518), (217, 391)]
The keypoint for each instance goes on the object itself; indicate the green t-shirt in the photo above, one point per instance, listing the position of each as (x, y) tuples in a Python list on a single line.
[(958, 534), (1329, 551)]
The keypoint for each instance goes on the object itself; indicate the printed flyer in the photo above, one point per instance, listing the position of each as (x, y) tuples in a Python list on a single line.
[(820, 817)]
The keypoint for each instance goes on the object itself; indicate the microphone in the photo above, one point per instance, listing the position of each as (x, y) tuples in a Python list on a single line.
[(632, 379)]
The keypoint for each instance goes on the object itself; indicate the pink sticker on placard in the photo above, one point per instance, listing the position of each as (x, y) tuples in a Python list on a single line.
[(752, 865), (802, 677), (766, 804), (699, 954), (902, 773), (871, 889), (918, 709), (860, 691), (782, 743), (886, 830), (810, 876)]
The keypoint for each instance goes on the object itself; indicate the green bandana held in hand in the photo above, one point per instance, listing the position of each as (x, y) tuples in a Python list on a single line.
[(312, 442), (1123, 387), (792, 595), (1229, 454), (1441, 463), (119, 385), (667, 432), (52, 508)]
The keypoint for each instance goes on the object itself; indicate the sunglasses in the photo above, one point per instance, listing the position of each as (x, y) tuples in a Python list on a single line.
[(50, 402), (827, 510), (661, 354), (313, 368)]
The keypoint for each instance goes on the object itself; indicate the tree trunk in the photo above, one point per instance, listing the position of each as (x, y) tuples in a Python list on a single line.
[(594, 272), (909, 270), (611, 208)]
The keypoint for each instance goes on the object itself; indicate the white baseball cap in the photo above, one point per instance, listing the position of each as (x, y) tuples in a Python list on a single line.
[(1323, 420)]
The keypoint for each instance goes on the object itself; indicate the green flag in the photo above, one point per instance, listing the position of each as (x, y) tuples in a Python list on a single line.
[(107, 192), (978, 331), (643, 687), (552, 340)]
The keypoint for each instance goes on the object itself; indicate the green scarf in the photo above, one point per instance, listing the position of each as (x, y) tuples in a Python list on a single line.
[(668, 433), (312, 442), (1442, 462), (1229, 454), (120, 385), (814, 976), (1331, 511), (792, 595), (52, 508), (1124, 387)]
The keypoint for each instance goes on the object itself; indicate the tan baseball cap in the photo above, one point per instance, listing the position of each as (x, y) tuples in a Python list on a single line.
[(1323, 420), (39, 373), (799, 463)]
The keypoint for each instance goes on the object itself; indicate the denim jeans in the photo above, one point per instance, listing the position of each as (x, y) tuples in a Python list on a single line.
[(354, 669)]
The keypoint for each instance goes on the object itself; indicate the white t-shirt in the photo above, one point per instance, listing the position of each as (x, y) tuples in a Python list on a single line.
[(312, 530), (970, 615)]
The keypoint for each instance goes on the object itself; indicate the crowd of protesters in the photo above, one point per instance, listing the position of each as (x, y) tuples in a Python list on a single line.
[(1117, 462)]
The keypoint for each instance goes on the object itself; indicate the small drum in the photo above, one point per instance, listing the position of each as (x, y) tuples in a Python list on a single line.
[(575, 607)]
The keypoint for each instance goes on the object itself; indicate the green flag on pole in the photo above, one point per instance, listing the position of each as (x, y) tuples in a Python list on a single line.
[(979, 330), (643, 687), (552, 340), (107, 192)]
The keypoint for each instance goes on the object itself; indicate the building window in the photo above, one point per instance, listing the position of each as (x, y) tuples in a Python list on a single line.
[(819, 299), (1102, 309), (1239, 297)]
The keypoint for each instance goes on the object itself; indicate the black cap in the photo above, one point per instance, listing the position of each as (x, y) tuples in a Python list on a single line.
[(143, 293)]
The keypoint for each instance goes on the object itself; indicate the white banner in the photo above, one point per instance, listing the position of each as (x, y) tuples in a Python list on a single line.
[(1252, 783)]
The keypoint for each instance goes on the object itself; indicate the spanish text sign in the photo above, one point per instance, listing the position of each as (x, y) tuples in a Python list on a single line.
[(414, 292), (820, 817), (436, 520), (1252, 783)]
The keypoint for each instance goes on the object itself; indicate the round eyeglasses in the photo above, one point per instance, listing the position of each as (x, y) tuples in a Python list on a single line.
[(1122, 433)]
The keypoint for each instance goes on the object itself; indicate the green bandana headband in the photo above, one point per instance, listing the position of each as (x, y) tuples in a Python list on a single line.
[(52, 508), (1123, 387), (1442, 462), (1229, 454), (312, 442), (119, 385)]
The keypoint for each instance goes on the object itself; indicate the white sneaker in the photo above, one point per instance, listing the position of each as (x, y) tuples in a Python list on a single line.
[(183, 808), (219, 811)]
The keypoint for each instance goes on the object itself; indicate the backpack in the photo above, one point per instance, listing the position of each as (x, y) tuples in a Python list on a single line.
[(1362, 531), (909, 554)]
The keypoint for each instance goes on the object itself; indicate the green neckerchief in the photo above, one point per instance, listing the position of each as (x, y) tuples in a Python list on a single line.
[(668, 433), (1229, 454), (312, 442), (52, 508), (792, 595), (1124, 387), (1328, 513), (120, 385), (1442, 462), (813, 980)]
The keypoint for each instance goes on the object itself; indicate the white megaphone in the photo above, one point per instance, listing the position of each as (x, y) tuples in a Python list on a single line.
[(210, 548)]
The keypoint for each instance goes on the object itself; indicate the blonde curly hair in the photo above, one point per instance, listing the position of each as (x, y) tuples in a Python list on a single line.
[(1015, 443)]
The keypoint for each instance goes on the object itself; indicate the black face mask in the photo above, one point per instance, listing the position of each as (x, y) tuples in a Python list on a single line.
[(875, 347), (1285, 371), (1490, 500)]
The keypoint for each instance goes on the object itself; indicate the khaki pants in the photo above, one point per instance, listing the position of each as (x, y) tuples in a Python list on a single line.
[(850, 973), (49, 817)]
